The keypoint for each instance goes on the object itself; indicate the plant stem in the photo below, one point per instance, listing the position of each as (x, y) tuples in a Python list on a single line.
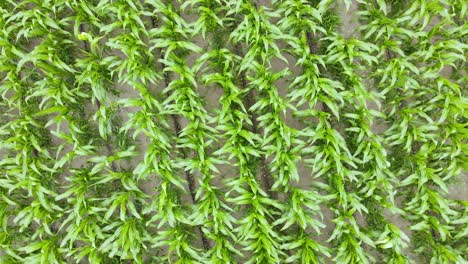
[(265, 172), (178, 128), (107, 144), (188, 176), (85, 44)]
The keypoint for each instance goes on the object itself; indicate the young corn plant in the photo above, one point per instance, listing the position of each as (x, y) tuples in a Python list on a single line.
[(233, 131)]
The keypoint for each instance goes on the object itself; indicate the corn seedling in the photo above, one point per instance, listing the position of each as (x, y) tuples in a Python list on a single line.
[(233, 131)]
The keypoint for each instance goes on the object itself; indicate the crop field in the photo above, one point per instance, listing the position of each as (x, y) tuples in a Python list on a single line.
[(233, 131)]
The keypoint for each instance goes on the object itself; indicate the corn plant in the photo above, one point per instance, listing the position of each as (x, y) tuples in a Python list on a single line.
[(233, 131)]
